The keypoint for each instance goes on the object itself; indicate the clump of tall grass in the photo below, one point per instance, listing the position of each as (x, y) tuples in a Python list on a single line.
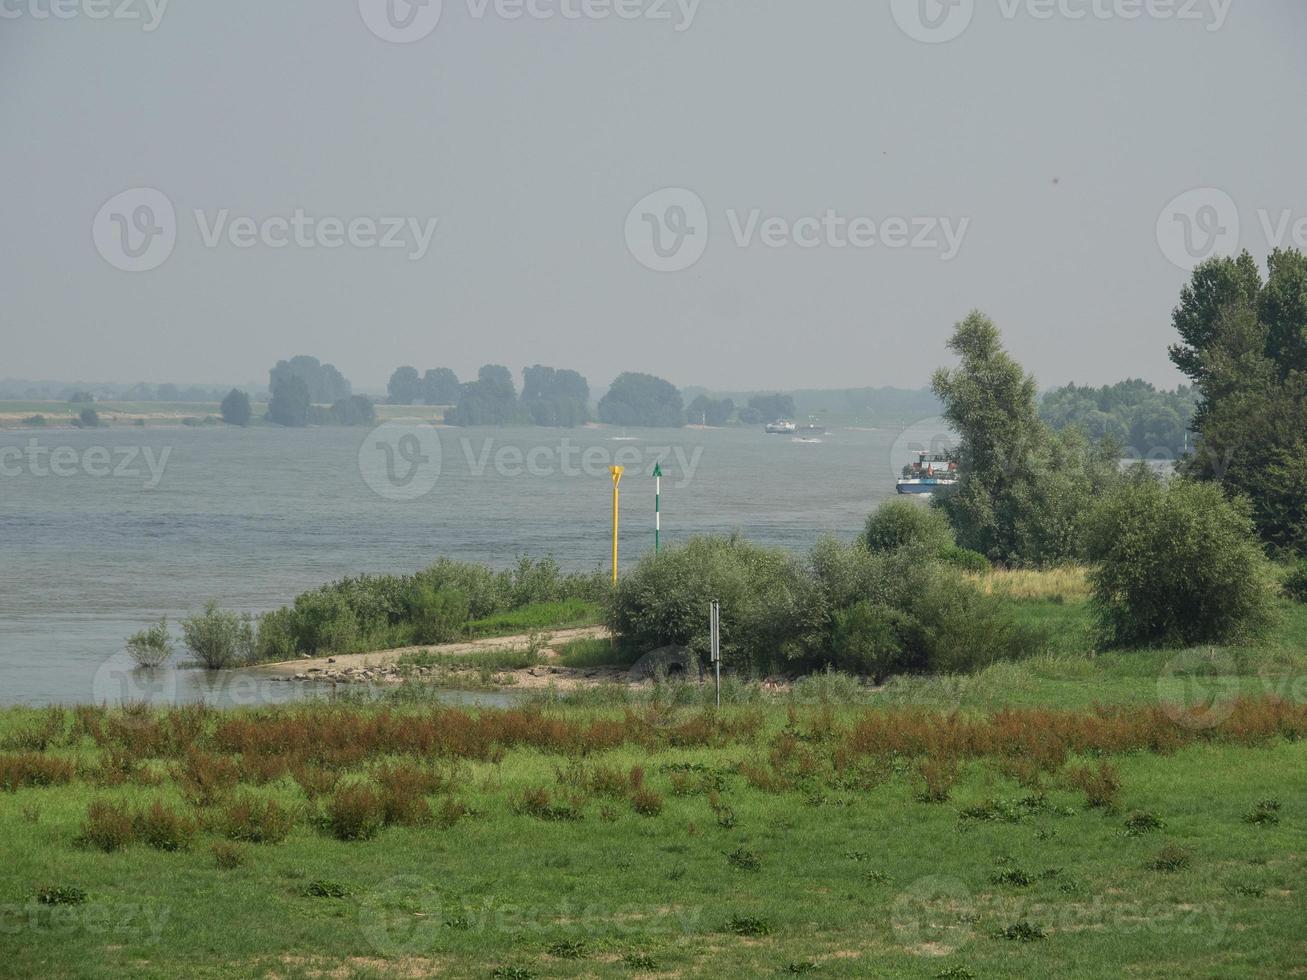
[(1060, 584), (25, 769)]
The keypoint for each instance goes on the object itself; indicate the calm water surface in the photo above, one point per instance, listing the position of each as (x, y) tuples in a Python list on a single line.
[(102, 531)]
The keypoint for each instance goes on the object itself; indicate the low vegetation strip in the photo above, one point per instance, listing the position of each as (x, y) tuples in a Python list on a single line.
[(401, 840)]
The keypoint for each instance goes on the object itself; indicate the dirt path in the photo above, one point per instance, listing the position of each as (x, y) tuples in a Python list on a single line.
[(381, 658)]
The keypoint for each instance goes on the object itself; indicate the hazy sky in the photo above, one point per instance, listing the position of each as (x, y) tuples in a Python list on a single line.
[(1027, 166)]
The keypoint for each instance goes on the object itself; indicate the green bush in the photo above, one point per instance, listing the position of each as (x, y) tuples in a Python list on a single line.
[(903, 612), (377, 612), (903, 523), (965, 559), (1177, 565), (770, 609), (867, 639), (437, 615), (151, 646), (218, 638), (1295, 583)]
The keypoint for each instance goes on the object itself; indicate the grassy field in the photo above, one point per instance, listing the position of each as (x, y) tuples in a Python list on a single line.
[(1130, 814)]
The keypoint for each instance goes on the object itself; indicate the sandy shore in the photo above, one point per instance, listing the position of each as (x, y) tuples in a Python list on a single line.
[(379, 665)]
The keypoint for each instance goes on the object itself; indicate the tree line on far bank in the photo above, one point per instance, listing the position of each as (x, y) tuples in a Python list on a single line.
[(560, 398)]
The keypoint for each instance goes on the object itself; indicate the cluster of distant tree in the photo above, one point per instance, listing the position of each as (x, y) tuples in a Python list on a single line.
[(642, 400), (439, 386), (304, 391), (554, 397), (1143, 421)]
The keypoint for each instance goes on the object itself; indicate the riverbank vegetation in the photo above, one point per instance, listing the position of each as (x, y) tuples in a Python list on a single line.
[(371, 839)]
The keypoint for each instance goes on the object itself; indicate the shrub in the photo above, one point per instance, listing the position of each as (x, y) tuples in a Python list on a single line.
[(164, 829), (646, 802), (904, 523), (965, 560), (255, 821), (770, 613), (1170, 858), (228, 856), (1177, 565), (152, 646), (1295, 583), (219, 639), (868, 639), (33, 769), (356, 812), (60, 895), (1101, 786), (108, 826), (437, 615), (900, 612)]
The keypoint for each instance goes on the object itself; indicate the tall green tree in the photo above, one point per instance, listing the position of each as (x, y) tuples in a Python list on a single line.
[(642, 400), (1023, 489), (1244, 344), (440, 387), (236, 408), (555, 397), (405, 386), (489, 400), (290, 401)]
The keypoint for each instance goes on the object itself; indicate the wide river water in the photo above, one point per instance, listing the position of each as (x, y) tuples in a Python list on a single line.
[(103, 531)]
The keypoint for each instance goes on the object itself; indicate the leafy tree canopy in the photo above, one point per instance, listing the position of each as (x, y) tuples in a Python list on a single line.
[(642, 400)]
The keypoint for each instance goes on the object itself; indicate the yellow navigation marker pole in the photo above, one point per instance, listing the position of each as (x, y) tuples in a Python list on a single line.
[(617, 472)]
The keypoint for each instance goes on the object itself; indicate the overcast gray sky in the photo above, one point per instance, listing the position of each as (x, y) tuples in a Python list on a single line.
[(1026, 166)]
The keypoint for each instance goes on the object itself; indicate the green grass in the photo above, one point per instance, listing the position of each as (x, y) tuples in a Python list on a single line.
[(567, 614), (591, 652), (857, 878)]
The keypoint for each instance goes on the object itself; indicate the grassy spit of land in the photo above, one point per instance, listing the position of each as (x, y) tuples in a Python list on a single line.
[(1050, 817)]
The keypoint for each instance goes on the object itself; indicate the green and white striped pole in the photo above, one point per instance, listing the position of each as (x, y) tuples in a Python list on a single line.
[(658, 505)]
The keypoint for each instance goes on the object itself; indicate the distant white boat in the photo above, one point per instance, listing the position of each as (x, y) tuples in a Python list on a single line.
[(781, 427)]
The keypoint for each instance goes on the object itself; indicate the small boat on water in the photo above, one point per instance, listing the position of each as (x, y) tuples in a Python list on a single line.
[(782, 427), (930, 473)]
